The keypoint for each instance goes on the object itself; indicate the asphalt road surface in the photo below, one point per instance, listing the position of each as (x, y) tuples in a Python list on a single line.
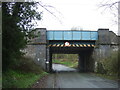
[(59, 67), (77, 80), (82, 80)]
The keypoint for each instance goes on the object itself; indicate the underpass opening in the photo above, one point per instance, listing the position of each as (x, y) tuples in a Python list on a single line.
[(65, 62), (72, 42), (83, 51)]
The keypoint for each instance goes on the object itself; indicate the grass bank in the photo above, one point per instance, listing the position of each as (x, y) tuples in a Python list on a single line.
[(22, 75), (17, 79)]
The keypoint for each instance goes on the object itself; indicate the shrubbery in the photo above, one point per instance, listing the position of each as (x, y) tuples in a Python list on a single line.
[(110, 65), (26, 64), (16, 22), (22, 75)]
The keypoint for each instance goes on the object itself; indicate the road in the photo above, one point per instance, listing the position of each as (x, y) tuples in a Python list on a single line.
[(66, 77), (77, 80), (60, 68), (82, 80)]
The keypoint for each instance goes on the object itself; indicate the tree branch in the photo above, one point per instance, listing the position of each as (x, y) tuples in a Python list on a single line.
[(45, 7)]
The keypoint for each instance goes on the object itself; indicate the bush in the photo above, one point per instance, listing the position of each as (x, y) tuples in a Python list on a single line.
[(23, 74), (100, 68), (26, 64), (109, 65)]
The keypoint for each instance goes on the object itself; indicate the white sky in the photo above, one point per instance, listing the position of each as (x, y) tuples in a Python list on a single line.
[(83, 13)]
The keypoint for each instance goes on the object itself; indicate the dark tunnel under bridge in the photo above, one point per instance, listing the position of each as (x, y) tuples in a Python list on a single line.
[(84, 51)]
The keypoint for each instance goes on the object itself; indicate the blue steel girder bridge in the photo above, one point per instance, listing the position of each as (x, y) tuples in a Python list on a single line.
[(91, 46), (72, 42)]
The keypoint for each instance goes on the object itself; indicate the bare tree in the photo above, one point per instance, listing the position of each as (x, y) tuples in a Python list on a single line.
[(119, 30), (113, 6)]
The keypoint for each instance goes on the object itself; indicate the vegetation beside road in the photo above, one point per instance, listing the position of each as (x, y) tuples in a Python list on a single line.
[(109, 66), (115, 77), (23, 75), (70, 60), (18, 79), (17, 70)]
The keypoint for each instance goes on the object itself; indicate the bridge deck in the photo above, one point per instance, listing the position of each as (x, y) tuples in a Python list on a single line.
[(72, 35)]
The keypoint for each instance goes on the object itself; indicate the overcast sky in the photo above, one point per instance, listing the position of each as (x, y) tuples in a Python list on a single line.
[(85, 14)]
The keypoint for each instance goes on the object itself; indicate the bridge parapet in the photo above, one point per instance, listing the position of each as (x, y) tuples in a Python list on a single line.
[(107, 37), (107, 44), (36, 49), (72, 35)]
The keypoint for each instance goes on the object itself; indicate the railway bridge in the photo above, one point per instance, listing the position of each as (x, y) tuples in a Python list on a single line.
[(91, 46)]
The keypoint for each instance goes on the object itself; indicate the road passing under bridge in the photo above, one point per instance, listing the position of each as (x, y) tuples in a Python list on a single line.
[(82, 80), (65, 79), (79, 80)]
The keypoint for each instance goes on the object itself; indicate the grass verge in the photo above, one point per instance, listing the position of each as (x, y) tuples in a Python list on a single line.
[(17, 79), (22, 75), (107, 76)]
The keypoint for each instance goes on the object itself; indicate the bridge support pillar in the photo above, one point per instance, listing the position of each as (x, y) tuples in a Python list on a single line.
[(49, 60), (50, 63), (81, 63), (86, 62)]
